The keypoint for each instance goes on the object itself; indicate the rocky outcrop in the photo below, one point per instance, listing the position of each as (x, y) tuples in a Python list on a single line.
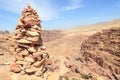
[(103, 48), (30, 53)]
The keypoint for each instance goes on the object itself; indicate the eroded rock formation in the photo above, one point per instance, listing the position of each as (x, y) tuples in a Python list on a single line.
[(30, 53), (103, 48)]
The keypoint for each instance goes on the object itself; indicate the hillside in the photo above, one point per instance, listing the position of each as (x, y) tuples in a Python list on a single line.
[(103, 49), (91, 29), (83, 53)]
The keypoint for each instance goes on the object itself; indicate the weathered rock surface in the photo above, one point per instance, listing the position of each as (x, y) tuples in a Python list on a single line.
[(103, 48)]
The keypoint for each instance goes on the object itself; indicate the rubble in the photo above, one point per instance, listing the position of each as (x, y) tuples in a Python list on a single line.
[(30, 53)]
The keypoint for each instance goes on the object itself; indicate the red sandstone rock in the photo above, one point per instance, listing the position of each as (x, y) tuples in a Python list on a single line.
[(15, 68)]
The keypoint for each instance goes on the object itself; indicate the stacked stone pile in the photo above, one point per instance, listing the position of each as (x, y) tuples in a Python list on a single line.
[(30, 53)]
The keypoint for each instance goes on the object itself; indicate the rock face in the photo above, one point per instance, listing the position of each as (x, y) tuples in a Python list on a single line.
[(30, 53), (103, 48)]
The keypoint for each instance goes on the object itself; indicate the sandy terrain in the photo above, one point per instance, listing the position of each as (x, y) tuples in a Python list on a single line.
[(64, 48)]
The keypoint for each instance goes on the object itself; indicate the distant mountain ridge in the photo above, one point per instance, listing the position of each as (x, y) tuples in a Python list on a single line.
[(91, 29)]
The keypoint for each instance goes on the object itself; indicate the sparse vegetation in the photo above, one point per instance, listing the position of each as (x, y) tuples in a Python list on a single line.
[(70, 44), (4, 32), (85, 76), (2, 41), (74, 79)]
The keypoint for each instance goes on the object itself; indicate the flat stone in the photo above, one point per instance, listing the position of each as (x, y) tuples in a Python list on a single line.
[(39, 58), (49, 62), (31, 33), (37, 54), (40, 71), (18, 57), (29, 59), (20, 62), (20, 22), (17, 31), (15, 68), (36, 30), (32, 49), (23, 41), (24, 52), (43, 47), (36, 27), (23, 31), (18, 36), (27, 65), (33, 39), (18, 49), (1, 53), (23, 45), (30, 71), (38, 63)]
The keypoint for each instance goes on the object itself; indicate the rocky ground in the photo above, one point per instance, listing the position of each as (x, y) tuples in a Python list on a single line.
[(73, 56)]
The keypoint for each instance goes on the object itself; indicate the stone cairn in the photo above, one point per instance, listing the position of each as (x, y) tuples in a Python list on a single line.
[(30, 54)]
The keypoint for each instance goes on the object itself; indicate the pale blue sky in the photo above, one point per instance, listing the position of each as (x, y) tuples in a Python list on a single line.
[(60, 14)]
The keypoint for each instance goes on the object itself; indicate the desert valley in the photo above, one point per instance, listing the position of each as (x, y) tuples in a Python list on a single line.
[(83, 53)]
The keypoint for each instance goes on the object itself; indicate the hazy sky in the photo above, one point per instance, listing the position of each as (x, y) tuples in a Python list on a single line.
[(60, 14)]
